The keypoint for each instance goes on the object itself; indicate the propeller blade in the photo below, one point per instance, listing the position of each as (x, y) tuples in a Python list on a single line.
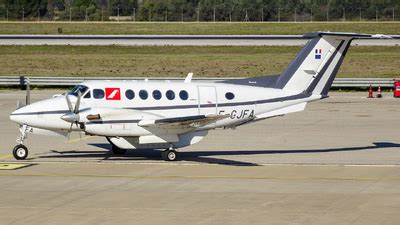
[(69, 103), (78, 102)]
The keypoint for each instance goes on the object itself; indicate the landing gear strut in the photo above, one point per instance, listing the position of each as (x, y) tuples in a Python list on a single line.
[(169, 155), (20, 151)]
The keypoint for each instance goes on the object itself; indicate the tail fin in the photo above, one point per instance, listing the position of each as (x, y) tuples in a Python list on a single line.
[(315, 67)]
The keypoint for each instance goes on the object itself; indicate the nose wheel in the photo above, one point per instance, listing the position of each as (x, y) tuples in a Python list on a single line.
[(20, 152), (169, 155)]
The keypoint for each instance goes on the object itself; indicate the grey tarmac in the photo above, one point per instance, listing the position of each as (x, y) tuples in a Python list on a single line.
[(338, 162)]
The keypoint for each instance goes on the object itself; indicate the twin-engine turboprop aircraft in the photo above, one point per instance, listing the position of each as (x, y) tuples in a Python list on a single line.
[(171, 115)]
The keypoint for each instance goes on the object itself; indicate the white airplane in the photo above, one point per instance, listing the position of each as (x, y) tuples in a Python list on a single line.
[(172, 115)]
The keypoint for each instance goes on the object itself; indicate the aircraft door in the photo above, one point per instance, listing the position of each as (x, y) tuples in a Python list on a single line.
[(207, 100)]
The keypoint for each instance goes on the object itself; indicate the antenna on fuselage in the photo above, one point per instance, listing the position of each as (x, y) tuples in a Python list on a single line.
[(188, 78)]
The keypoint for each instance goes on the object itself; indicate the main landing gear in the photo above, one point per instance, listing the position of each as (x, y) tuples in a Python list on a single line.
[(20, 151), (169, 154)]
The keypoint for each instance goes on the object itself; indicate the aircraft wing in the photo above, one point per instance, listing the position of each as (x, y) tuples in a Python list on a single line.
[(182, 122)]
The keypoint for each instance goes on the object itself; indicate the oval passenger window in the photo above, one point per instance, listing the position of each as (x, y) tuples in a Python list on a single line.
[(143, 94), (98, 93), (229, 95), (183, 95), (129, 94)]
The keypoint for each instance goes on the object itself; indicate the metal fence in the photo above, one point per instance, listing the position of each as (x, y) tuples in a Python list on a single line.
[(22, 81)]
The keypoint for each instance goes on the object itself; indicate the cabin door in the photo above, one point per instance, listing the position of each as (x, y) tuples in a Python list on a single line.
[(207, 100)]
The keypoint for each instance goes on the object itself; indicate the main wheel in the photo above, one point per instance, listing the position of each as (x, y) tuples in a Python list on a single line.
[(169, 155), (118, 151), (20, 152)]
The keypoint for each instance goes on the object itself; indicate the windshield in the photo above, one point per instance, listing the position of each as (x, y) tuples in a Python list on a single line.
[(78, 88)]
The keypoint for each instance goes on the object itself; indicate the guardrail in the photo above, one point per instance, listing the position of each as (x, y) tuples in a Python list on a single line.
[(22, 81), (179, 40)]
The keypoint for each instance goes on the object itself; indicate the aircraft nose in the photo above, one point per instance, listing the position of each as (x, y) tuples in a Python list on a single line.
[(17, 115)]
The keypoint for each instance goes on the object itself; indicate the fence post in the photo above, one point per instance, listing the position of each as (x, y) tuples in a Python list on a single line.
[(28, 92), (22, 83)]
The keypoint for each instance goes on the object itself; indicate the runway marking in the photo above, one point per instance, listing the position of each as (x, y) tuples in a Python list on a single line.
[(204, 177), (12, 166), (6, 156)]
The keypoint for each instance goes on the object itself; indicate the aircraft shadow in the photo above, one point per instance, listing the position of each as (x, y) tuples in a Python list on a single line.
[(204, 156)]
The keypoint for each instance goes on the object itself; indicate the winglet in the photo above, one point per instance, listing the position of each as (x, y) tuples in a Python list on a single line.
[(188, 78)]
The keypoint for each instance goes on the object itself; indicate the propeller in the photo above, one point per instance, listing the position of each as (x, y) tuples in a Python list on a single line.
[(73, 116)]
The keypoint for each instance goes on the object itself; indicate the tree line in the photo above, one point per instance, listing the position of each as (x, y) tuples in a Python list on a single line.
[(200, 10)]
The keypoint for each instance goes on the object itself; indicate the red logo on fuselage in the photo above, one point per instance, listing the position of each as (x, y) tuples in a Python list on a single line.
[(113, 94)]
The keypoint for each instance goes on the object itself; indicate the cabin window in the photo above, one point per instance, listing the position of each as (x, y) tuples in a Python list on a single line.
[(170, 94), (183, 95), (229, 95), (156, 94), (143, 94), (87, 95), (129, 94), (98, 93)]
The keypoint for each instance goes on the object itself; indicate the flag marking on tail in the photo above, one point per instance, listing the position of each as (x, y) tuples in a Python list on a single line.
[(318, 53)]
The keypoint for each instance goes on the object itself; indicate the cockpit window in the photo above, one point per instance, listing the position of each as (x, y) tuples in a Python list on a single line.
[(87, 95), (78, 88)]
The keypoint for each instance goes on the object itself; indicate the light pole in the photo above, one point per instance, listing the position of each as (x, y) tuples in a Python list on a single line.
[(344, 14), (214, 14), (198, 14), (118, 14), (166, 15), (360, 15), (279, 14), (86, 15), (262, 14), (23, 14), (327, 14), (70, 14), (393, 13), (134, 14), (102, 14), (295, 14), (182, 15), (7, 14), (38, 14), (376, 15), (311, 14)]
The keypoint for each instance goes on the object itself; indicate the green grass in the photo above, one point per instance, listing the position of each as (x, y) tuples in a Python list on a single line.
[(178, 61), (196, 28)]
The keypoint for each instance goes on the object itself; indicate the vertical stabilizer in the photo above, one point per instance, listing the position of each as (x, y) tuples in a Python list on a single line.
[(315, 67)]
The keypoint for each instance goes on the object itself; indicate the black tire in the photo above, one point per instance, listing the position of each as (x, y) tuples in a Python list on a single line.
[(20, 152), (118, 151), (169, 155)]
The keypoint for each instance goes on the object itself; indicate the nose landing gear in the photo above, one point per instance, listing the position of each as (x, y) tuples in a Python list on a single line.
[(20, 151)]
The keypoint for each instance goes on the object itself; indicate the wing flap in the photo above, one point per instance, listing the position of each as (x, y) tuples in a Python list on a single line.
[(182, 122)]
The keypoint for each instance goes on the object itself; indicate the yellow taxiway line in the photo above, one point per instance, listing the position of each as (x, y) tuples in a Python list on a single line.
[(12, 166)]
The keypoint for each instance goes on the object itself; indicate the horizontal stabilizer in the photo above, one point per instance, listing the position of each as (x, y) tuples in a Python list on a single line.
[(290, 109)]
